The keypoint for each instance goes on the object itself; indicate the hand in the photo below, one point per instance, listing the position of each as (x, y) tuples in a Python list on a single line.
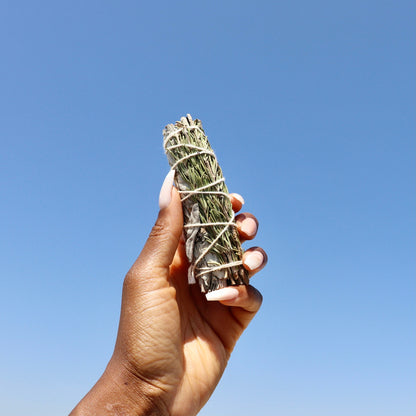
[(173, 344)]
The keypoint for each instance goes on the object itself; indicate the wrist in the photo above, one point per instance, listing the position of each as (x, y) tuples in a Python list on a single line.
[(119, 392)]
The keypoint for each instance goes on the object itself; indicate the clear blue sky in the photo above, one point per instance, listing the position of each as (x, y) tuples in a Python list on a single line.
[(310, 108)]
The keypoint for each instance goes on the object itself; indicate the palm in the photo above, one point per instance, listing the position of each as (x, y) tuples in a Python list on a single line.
[(173, 343), (170, 336), (192, 340)]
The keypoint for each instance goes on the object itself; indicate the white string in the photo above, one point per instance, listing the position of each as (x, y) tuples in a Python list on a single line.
[(209, 224), (192, 146), (178, 130), (206, 270), (191, 192), (206, 251), (201, 190), (207, 152)]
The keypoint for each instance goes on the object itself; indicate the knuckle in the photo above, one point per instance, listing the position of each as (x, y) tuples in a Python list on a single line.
[(160, 233), (157, 231), (259, 298), (256, 298), (130, 281)]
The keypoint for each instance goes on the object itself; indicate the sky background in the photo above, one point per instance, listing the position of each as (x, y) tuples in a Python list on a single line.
[(310, 107)]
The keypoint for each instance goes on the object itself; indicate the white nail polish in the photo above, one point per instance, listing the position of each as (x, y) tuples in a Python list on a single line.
[(165, 195), (254, 260), (239, 197), (249, 226), (226, 293)]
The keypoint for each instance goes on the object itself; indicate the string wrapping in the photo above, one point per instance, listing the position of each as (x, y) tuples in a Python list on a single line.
[(212, 243)]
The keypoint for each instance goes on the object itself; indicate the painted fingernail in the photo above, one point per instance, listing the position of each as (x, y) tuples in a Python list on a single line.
[(239, 197), (165, 195), (254, 260), (249, 226), (226, 293)]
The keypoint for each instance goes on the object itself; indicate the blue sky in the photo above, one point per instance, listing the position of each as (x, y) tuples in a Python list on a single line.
[(310, 108)]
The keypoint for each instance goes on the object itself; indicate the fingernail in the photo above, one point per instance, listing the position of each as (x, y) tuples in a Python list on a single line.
[(239, 197), (165, 195), (249, 226), (254, 260), (226, 293)]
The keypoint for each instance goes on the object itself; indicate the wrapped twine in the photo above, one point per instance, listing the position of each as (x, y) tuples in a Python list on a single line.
[(212, 246)]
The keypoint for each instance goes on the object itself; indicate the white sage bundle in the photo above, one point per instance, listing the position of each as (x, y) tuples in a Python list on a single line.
[(212, 246)]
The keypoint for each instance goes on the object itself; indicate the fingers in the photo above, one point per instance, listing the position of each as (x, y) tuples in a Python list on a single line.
[(254, 259), (247, 226), (161, 245), (237, 201), (245, 305), (247, 298)]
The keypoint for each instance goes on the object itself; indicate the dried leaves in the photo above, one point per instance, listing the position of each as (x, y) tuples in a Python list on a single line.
[(212, 243)]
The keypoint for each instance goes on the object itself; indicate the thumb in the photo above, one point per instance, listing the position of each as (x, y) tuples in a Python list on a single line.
[(160, 247)]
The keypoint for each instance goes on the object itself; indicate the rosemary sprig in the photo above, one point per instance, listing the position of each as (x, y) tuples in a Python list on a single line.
[(212, 243)]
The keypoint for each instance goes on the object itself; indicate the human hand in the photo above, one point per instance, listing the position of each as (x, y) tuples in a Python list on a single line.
[(173, 344)]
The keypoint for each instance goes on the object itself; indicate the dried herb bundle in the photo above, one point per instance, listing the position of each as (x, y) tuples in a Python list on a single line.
[(212, 243)]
